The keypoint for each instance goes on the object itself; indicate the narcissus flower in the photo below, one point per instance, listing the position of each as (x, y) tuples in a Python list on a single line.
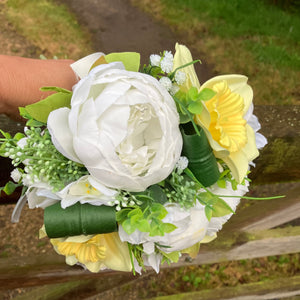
[(224, 122), (96, 252), (182, 57)]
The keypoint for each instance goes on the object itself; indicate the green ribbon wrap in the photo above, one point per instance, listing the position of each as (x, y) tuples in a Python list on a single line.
[(79, 219), (202, 161)]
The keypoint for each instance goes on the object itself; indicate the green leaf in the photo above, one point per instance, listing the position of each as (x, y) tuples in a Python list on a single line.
[(131, 60), (206, 94), (158, 210), (168, 227), (122, 214), (184, 118), (128, 227), (143, 225), (195, 107), (5, 134), (221, 208), (156, 229), (208, 212), (18, 136), (24, 113), (41, 110), (193, 94), (221, 183), (136, 211), (173, 256), (155, 71), (202, 162), (10, 187), (157, 194), (34, 123), (55, 89)]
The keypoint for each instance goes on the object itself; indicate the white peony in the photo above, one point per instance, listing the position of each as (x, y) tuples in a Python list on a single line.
[(191, 228), (122, 126)]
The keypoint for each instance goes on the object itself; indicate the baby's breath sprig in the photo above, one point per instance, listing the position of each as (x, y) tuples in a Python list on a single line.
[(180, 189), (125, 199), (43, 163), (161, 68)]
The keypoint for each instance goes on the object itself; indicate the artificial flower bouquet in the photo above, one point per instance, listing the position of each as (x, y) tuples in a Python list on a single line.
[(135, 166)]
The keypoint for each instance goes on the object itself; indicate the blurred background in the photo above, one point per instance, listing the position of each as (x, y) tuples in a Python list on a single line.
[(257, 38)]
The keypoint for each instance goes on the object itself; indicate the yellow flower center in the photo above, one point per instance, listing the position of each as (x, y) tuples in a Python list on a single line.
[(89, 251), (227, 125)]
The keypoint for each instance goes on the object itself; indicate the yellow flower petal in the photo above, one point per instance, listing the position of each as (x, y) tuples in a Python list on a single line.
[(227, 125), (208, 239), (238, 162), (192, 251), (183, 56), (97, 252), (231, 138)]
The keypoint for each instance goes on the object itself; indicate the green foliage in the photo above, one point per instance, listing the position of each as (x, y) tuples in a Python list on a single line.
[(170, 257), (226, 176), (243, 17), (40, 111), (147, 218), (9, 188), (195, 280), (131, 60), (190, 103), (214, 205)]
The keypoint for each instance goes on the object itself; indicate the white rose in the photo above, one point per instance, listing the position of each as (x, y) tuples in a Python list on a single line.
[(122, 126)]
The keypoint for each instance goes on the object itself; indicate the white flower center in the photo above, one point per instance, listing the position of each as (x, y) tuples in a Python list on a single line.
[(144, 133)]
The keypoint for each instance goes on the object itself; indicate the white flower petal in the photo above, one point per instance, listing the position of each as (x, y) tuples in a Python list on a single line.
[(83, 66), (60, 133)]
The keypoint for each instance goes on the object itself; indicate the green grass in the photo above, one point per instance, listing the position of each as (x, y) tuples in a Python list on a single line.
[(253, 38), (243, 17), (271, 34), (50, 27)]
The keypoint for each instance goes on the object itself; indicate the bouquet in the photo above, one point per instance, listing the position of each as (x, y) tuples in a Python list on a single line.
[(137, 165)]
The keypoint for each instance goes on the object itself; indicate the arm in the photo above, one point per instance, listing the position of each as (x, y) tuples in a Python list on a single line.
[(21, 79)]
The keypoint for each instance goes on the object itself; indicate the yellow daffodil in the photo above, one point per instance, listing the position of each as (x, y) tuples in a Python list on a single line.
[(222, 118), (183, 56), (96, 252)]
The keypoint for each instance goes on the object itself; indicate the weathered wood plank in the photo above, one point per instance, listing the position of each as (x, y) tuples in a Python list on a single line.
[(39, 270), (44, 269), (80, 289), (272, 289), (267, 214), (252, 249)]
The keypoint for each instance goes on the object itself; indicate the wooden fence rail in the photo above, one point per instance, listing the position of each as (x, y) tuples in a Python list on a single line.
[(261, 229)]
